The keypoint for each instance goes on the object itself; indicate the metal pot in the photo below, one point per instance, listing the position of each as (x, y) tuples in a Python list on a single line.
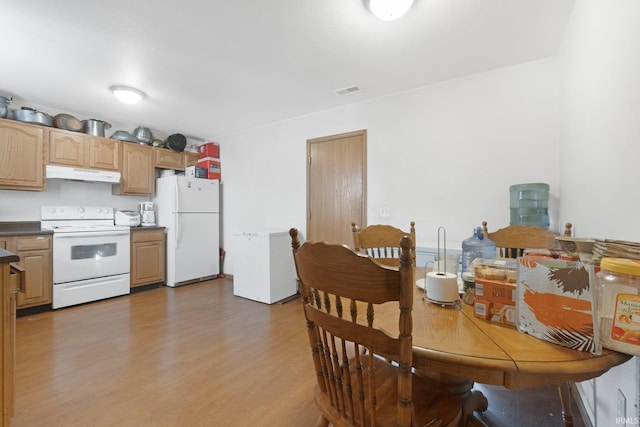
[(143, 135), (67, 122), (176, 142), (95, 127), (29, 115), (4, 106)]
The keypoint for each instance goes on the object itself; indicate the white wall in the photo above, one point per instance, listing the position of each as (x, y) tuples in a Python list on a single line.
[(600, 129), (600, 134), (442, 155), (25, 205)]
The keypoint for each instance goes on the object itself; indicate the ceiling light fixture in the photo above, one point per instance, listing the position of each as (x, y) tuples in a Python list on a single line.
[(126, 94), (388, 10)]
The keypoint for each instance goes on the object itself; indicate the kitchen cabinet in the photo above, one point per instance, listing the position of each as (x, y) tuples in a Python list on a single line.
[(9, 284), (167, 159), (266, 272), (148, 255), (190, 159), (22, 156), (35, 252), (83, 151), (137, 171)]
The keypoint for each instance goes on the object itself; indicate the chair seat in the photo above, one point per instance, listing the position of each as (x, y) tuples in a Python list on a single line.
[(432, 406)]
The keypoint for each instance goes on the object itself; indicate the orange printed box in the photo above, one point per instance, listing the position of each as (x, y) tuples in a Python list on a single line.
[(496, 291), (212, 167), (495, 311)]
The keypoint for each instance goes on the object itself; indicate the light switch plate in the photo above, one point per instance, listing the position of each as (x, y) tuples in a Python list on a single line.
[(622, 406)]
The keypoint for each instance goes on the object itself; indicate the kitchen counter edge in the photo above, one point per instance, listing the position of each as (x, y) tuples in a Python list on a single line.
[(147, 227), (6, 257), (22, 228)]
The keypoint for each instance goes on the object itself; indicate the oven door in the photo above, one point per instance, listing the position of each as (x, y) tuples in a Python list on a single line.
[(89, 255)]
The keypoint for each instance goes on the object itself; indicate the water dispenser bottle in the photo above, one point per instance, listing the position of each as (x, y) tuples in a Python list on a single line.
[(529, 204), (476, 246)]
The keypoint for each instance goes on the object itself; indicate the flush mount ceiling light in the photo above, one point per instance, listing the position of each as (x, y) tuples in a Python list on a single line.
[(388, 10), (126, 94)]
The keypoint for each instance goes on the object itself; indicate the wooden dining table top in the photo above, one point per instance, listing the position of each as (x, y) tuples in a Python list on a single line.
[(452, 341)]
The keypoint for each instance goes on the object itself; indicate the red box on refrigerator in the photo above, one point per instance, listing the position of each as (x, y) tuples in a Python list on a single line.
[(212, 166), (209, 149)]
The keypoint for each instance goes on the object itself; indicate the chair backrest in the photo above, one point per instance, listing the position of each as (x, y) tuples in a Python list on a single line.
[(511, 241), (382, 242), (340, 290)]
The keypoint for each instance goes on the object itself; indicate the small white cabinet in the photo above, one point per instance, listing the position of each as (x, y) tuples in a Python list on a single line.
[(263, 269)]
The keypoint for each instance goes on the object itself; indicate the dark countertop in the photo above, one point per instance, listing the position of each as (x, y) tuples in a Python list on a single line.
[(150, 227), (6, 257), (22, 228)]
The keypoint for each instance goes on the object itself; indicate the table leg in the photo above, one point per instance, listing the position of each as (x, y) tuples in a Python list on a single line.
[(472, 400), (565, 401)]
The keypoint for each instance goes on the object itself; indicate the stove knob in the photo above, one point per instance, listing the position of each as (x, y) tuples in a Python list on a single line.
[(81, 210), (52, 210), (99, 210)]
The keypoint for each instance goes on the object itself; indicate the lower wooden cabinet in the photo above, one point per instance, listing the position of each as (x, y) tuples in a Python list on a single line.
[(148, 256), (35, 252)]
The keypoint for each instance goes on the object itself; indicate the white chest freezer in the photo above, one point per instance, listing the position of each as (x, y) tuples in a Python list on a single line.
[(263, 268)]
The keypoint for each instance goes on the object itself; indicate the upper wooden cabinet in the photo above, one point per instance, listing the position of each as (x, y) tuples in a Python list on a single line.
[(190, 158), (22, 156), (138, 174), (167, 159), (84, 151)]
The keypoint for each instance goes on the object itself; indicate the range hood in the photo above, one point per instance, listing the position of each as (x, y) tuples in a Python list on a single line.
[(78, 174)]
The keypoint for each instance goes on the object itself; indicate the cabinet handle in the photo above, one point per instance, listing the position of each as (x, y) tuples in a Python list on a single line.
[(16, 269)]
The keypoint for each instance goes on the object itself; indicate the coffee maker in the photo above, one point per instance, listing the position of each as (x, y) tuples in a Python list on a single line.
[(147, 214)]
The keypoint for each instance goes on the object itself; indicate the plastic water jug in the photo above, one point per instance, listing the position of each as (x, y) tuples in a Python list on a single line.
[(529, 204), (477, 246)]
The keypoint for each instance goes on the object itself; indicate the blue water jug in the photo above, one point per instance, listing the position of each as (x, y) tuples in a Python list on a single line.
[(529, 204), (476, 246)]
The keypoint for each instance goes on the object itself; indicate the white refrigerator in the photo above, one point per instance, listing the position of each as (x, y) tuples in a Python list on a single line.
[(189, 209)]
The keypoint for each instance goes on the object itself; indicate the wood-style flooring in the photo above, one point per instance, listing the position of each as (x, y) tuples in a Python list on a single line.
[(190, 356)]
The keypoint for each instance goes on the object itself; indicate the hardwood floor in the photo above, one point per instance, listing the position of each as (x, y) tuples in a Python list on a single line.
[(188, 356)]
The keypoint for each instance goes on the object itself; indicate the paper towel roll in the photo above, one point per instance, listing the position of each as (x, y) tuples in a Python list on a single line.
[(442, 287)]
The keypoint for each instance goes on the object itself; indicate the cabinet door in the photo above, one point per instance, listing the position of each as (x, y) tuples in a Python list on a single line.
[(138, 175), (167, 159), (147, 257), (22, 156), (36, 260), (66, 148), (103, 153), (190, 158)]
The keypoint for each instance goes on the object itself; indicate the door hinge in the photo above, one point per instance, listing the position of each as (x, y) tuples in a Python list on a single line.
[(309, 159)]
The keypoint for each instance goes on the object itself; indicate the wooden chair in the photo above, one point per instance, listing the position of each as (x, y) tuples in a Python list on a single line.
[(511, 241), (356, 386), (381, 242)]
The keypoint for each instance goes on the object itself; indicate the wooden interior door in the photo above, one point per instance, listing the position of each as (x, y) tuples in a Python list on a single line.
[(336, 186)]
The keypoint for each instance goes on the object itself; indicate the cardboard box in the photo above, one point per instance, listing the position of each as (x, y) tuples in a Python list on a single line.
[(209, 149), (557, 302), (211, 166), (496, 291), (195, 171), (495, 311)]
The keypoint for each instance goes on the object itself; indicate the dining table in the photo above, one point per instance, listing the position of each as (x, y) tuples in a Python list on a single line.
[(453, 346)]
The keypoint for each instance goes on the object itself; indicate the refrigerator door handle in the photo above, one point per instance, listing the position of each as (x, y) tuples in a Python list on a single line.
[(176, 226)]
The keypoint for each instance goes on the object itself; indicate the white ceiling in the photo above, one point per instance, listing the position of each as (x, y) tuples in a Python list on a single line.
[(216, 67)]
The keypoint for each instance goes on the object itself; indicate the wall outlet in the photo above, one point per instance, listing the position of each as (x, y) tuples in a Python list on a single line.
[(622, 406), (384, 212)]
